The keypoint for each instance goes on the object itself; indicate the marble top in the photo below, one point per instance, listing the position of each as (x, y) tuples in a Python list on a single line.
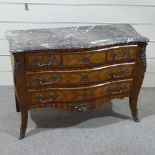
[(72, 37)]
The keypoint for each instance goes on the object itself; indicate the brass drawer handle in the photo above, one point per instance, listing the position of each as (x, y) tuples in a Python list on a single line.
[(111, 91), (85, 59), (82, 107), (45, 83), (39, 64), (42, 100), (116, 75), (125, 55), (52, 79)]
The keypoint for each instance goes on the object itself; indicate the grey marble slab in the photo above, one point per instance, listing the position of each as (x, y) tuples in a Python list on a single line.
[(72, 37)]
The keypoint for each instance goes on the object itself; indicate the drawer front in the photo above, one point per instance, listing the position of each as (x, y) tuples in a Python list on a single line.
[(66, 78), (50, 60), (40, 60), (79, 94), (84, 58), (122, 54)]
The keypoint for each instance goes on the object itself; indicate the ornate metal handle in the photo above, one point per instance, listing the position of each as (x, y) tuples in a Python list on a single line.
[(85, 59), (113, 92), (42, 100), (82, 107), (52, 79), (116, 76), (125, 55), (50, 62)]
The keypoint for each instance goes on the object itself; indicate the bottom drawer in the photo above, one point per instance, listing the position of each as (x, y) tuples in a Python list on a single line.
[(79, 94)]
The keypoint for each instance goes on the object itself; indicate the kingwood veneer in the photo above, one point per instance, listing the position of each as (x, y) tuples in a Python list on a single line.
[(76, 69)]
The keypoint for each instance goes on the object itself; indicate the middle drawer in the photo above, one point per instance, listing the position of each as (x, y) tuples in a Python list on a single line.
[(79, 77)]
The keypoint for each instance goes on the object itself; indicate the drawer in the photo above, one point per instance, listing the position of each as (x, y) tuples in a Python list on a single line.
[(79, 77), (84, 58), (122, 54), (60, 95), (50, 60), (42, 60)]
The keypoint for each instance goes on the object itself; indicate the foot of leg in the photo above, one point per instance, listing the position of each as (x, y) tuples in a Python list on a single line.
[(22, 134), (134, 110), (135, 118), (24, 120)]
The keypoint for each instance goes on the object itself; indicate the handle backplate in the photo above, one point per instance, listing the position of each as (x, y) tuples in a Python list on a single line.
[(118, 75), (112, 91), (51, 61), (41, 99), (51, 80)]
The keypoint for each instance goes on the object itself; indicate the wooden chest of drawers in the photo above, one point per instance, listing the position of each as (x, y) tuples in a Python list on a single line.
[(78, 79)]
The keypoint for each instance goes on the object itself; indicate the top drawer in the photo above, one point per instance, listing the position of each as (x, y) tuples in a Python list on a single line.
[(51, 60)]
